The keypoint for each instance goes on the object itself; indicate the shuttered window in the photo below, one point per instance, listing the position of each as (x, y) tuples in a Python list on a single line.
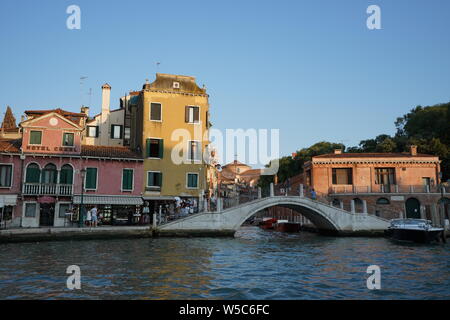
[(194, 151), (5, 176), (66, 175), (155, 148), (127, 179), (155, 112), (116, 131), (342, 176), (92, 131), (154, 179), (192, 180), (35, 137), (33, 174), (68, 139), (30, 210), (192, 114), (91, 179)]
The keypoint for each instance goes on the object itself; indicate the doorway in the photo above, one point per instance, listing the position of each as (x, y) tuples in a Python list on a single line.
[(47, 215), (412, 208)]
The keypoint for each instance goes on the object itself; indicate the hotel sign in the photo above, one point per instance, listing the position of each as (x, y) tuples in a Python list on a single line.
[(46, 148)]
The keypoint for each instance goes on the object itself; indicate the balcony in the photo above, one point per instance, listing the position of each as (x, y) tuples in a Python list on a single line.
[(44, 189), (379, 188)]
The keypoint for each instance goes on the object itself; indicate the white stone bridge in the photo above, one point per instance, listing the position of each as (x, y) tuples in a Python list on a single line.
[(326, 218)]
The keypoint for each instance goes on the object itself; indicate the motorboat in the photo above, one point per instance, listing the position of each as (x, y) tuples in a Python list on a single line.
[(286, 226), (268, 223), (415, 230)]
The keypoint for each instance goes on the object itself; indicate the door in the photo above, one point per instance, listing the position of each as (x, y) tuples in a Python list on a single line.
[(47, 215), (412, 208)]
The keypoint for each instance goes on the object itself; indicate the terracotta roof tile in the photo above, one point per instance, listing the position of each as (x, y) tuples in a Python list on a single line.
[(108, 152), (10, 146)]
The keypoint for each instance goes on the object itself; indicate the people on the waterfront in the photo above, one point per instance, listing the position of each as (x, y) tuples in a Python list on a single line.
[(94, 217), (88, 218)]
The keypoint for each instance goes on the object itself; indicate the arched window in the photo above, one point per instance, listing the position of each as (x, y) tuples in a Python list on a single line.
[(66, 174), (33, 173), (49, 174), (358, 205), (383, 201), (336, 203)]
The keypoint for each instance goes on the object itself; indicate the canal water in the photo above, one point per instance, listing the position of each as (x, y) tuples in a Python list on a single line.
[(256, 264)]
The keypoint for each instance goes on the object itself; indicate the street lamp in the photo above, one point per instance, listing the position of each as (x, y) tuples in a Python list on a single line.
[(81, 215)]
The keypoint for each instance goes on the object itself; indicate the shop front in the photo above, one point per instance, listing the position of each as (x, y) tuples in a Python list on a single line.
[(7, 206), (113, 210)]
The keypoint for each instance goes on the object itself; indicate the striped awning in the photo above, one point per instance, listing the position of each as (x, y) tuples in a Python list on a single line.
[(112, 200), (8, 200)]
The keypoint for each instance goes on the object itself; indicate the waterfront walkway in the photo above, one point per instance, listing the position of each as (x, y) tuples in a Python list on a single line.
[(73, 233)]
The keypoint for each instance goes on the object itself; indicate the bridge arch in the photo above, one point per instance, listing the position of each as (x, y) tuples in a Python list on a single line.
[(318, 218)]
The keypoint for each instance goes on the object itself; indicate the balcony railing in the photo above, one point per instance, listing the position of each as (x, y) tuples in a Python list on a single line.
[(380, 188), (44, 189)]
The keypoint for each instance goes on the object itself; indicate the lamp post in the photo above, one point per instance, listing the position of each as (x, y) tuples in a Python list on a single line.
[(81, 215)]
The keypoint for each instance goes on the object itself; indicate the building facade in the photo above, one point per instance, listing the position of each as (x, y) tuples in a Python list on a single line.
[(169, 125), (45, 174)]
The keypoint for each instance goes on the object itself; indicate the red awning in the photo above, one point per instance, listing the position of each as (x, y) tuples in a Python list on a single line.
[(46, 200)]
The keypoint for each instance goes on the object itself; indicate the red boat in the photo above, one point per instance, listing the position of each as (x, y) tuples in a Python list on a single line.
[(268, 223), (286, 226)]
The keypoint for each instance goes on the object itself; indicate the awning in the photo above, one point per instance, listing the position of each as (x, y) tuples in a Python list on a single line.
[(8, 200), (113, 200), (169, 198), (46, 200)]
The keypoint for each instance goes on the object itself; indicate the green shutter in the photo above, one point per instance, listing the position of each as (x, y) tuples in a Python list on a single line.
[(160, 179), (186, 114), (161, 148), (91, 178), (147, 148), (112, 131), (35, 137), (33, 175), (127, 179)]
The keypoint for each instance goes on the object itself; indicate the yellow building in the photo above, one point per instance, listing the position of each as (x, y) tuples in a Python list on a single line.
[(169, 125)]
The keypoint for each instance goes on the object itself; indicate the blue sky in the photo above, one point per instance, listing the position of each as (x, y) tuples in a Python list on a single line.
[(310, 68)]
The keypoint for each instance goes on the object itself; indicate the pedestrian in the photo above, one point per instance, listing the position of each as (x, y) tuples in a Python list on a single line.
[(313, 194), (94, 217), (88, 218)]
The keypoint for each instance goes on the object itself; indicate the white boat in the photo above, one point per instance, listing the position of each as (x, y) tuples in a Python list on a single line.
[(416, 230)]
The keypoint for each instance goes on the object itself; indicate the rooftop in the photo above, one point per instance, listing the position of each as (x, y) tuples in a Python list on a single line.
[(373, 155), (108, 152), (165, 81)]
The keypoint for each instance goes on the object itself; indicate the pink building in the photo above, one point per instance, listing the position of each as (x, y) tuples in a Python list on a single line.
[(41, 175)]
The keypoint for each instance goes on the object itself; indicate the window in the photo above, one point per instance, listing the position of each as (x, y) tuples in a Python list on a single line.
[(385, 176), (68, 139), (155, 148), (154, 179), (35, 137), (5, 175), (127, 134), (49, 174), (33, 173), (30, 210), (426, 181), (192, 180), (91, 179), (92, 131), (66, 174), (383, 201), (192, 114), (155, 112), (194, 151), (116, 131), (63, 208), (342, 176), (127, 179)]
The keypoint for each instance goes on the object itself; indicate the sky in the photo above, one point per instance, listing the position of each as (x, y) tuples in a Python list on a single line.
[(309, 68)]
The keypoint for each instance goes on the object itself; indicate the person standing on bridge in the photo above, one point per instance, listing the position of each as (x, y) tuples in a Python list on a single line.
[(313, 194)]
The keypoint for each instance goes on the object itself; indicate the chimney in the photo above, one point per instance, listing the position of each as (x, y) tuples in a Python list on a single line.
[(413, 150), (106, 96), (85, 110), (337, 151)]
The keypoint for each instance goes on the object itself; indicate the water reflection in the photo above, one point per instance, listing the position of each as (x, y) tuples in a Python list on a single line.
[(256, 264)]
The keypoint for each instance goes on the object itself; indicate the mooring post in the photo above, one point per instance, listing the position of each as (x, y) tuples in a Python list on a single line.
[(259, 193), (272, 190), (302, 193), (154, 221), (219, 204), (352, 206), (160, 212)]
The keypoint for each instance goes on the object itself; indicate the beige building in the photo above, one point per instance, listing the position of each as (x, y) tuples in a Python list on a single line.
[(170, 123), (108, 127)]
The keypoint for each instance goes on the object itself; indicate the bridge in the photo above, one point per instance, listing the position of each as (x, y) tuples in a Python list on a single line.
[(325, 217)]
